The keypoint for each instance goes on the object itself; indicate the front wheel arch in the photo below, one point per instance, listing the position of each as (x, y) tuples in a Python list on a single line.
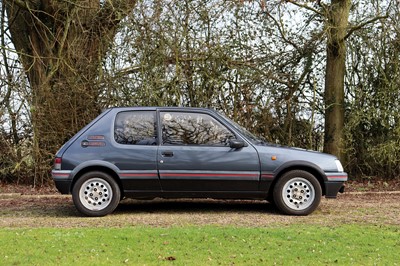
[(314, 172)]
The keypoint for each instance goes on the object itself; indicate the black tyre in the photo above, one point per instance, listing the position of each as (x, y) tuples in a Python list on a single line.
[(96, 194), (297, 193)]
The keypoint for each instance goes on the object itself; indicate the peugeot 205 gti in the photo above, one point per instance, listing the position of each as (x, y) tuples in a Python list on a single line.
[(171, 152)]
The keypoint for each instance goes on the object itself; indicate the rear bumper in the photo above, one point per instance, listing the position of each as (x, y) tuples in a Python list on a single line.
[(62, 180)]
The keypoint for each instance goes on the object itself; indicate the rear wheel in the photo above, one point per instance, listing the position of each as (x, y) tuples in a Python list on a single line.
[(297, 193), (96, 194)]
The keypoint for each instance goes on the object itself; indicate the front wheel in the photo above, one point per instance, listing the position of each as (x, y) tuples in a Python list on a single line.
[(96, 194), (297, 193)]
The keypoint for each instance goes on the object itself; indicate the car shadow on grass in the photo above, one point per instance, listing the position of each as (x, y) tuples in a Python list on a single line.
[(63, 207), (194, 206)]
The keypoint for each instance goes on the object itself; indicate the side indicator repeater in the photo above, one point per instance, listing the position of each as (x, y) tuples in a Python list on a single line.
[(273, 158)]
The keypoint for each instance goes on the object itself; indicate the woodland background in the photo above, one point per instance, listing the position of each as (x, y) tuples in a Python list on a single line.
[(320, 75)]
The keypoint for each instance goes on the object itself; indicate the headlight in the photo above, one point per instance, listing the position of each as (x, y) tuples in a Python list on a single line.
[(339, 166)]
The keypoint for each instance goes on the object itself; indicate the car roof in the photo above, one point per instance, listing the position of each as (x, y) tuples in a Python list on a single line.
[(161, 108)]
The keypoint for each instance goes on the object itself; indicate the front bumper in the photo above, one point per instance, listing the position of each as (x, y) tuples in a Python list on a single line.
[(335, 184), (333, 188)]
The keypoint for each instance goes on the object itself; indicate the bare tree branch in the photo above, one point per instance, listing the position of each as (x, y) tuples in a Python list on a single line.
[(282, 33), (297, 3), (24, 4), (113, 11), (355, 28)]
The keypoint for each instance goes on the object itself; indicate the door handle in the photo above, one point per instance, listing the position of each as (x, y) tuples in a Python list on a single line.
[(167, 154)]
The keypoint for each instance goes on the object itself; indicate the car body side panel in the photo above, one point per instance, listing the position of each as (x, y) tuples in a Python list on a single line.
[(134, 164), (273, 159), (137, 167), (94, 123), (276, 160), (209, 169)]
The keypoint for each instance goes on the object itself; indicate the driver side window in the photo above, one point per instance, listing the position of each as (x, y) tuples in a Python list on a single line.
[(179, 128)]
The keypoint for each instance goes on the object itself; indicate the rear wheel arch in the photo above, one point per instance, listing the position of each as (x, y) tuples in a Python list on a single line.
[(97, 168)]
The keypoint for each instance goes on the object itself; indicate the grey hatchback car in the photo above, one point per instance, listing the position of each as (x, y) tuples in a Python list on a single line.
[(172, 152)]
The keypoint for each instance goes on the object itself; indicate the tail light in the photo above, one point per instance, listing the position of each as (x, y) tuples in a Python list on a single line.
[(57, 163)]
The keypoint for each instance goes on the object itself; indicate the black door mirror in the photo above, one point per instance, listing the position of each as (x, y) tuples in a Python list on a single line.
[(236, 143)]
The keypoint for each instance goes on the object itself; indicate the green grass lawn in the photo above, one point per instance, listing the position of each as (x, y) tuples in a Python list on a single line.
[(208, 245)]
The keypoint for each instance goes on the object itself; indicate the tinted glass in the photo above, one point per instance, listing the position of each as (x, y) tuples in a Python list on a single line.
[(193, 129), (136, 128)]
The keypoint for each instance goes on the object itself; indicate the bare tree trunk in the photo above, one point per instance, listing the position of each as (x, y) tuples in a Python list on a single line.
[(334, 79), (61, 45)]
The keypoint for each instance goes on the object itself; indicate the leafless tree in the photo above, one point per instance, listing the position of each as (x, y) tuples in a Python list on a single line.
[(61, 45)]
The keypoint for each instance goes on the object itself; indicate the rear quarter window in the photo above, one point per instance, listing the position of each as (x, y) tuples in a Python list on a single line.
[(136, 128)]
